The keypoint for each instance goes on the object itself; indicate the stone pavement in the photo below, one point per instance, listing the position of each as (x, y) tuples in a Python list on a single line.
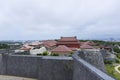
[(4, 77), (116, 69)]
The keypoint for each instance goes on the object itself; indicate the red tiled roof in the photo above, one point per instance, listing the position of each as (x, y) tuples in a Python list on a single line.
[(81, 43), (68, 43), (85, 46), (26, 47), (68, 39), (61, 48), (49, 43), (89, 43)]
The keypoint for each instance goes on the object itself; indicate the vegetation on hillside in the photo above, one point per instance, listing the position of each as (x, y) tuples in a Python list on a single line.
[(100, 42), (117, 50), (111, 71), (4, 46)]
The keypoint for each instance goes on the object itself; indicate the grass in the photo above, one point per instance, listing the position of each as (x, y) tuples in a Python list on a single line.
[(112, 72), (119, 68)]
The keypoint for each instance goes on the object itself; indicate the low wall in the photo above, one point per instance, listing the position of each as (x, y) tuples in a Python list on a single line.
[(41, 68), (56, 68), (3, 51), (50, 68), (0, 64), (85, 71), (24, 66), (3, 63)]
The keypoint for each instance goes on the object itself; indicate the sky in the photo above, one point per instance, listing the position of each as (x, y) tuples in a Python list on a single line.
[(51, 19)]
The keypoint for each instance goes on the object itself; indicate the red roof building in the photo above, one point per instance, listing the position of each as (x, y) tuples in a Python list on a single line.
[(61, 49), (26, 47), (70, 42), (91, 43), (49, 43), (86, 46)]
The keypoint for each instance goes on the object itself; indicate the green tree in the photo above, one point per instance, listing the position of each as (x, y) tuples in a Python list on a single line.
[(117, 50), (4, 46)]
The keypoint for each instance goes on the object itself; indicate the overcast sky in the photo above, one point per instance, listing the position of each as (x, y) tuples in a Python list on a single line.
[(51, 19)]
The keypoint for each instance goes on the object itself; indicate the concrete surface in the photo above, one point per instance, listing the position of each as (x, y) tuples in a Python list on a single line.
[(3, 77)]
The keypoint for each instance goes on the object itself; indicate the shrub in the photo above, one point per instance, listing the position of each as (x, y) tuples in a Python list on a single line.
[(119, 68), (118, 56), (54, 54), (45, 53), (70, 54), (108, 62), (116, 50), (117, 61), (4, 46), (39, 54)]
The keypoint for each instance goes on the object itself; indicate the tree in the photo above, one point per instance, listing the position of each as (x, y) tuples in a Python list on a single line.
[(117, 50), (4, 46)]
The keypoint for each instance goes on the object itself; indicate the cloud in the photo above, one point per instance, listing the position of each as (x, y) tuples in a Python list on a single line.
[(49, 19)]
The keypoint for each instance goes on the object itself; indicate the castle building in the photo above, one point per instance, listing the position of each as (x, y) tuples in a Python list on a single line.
[(70, 42)]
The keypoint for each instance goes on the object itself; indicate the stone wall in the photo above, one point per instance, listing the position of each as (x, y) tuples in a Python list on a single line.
[(85, 71), (0, 64), (56, 68), (41, 68), (24, 66), (3, 51), (50, 68), (3, 63), (93, 57)]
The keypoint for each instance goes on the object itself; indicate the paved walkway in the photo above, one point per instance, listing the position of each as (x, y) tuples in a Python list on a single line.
[(3, 77), (116, 68)]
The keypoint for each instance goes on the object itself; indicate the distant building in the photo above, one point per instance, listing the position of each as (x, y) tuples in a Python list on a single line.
[(26, 47), (62, 50), (91, 43), (38, 51), (49, 44), (70, 42), (36, 44), (108, 48), (86, 46)]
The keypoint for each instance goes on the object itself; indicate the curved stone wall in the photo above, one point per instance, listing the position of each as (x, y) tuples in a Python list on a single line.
[(93, 57), (85, 71)]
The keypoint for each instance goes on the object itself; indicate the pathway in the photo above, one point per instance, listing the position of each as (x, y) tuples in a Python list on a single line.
[(116, 68), (4, 77)]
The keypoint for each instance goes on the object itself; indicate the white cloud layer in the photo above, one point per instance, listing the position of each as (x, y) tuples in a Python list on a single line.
[(49, 19)]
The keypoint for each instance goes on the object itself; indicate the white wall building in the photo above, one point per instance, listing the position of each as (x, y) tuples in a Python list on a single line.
[(37, 51)]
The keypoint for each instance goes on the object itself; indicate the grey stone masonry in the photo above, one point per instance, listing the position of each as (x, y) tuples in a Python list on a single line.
[(93, 57), (85, 71), (56, 68), (50, 67), (39, 67), (24, 66)]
